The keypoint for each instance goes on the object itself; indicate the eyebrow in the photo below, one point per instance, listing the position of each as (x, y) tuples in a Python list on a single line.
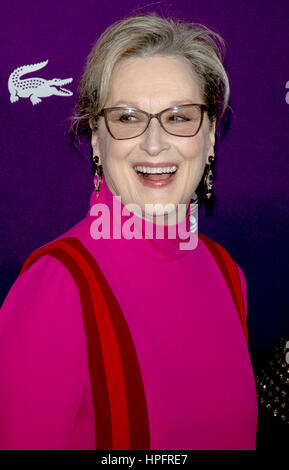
[(135, 105)]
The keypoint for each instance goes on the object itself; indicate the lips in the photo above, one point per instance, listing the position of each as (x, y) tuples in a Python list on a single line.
[(160, 177), (156, 180), (155, 165), (155, 169)]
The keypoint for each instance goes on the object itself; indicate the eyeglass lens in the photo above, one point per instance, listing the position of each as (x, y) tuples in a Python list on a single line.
[(126, 123)]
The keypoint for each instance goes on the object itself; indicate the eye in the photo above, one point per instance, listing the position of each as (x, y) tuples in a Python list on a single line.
[(177, 117), (126, 117)]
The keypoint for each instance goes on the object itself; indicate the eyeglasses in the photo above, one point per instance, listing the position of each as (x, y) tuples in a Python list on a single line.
[(126, 123)]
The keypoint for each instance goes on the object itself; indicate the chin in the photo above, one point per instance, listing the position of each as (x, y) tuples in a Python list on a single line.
[(160, 206)]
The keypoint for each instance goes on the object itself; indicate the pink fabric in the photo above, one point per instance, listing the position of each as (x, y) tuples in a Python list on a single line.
[(192, 352)]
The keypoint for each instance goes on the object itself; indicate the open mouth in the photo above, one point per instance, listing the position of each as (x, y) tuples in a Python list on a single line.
[(156, 177), (156, 174)]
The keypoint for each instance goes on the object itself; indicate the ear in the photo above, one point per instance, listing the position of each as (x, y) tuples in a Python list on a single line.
[(212, 139), (94, 139)]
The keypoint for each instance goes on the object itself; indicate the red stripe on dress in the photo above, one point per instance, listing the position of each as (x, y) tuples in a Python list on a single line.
[(236, 285), (111, 355), (103, 428), (230, 273), (137, 406)]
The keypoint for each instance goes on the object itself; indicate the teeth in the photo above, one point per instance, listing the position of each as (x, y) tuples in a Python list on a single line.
[(148, 169)]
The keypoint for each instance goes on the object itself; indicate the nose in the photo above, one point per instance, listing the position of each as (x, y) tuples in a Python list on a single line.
[(155, 138)]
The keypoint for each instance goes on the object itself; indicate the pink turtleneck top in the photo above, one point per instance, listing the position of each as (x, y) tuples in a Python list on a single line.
[(194, 360)]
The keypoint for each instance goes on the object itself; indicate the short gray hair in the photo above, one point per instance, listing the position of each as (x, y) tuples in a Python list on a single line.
[(147, 35)]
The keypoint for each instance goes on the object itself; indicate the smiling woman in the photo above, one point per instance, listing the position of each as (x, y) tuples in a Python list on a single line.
[(127, 123), (111, 337), (145, 142)]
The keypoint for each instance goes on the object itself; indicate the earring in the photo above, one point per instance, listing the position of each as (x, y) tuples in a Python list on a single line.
[(209, 178), (98, 175)]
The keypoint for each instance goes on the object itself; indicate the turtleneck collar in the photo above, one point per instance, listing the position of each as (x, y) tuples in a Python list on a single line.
[(112, 220)]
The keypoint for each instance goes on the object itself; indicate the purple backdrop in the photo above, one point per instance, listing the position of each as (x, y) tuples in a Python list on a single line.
[(46, 183)]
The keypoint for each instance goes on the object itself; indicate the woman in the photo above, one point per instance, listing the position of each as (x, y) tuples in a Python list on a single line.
[(146, 350)]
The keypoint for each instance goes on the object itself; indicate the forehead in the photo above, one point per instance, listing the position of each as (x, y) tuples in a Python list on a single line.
[(149, 81)]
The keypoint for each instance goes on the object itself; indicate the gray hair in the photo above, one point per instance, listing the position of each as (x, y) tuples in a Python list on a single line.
[(147, 35)]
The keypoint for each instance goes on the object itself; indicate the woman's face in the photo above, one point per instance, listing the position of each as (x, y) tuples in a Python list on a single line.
[(153, 84)]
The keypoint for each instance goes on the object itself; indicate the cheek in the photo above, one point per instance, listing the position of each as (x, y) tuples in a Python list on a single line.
[(195, 161), (116, 150), (195, 152), (116, 159)]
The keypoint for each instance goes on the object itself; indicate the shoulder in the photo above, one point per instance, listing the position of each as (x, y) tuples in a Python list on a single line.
[(42, 312), (47, 273), (218, 252), (45, 292)]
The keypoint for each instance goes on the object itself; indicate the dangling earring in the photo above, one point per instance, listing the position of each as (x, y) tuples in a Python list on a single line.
[(98, 175), (209, 178), (194, 213)]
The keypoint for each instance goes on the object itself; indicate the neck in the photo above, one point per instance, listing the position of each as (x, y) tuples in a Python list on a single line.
[(115, 221)]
